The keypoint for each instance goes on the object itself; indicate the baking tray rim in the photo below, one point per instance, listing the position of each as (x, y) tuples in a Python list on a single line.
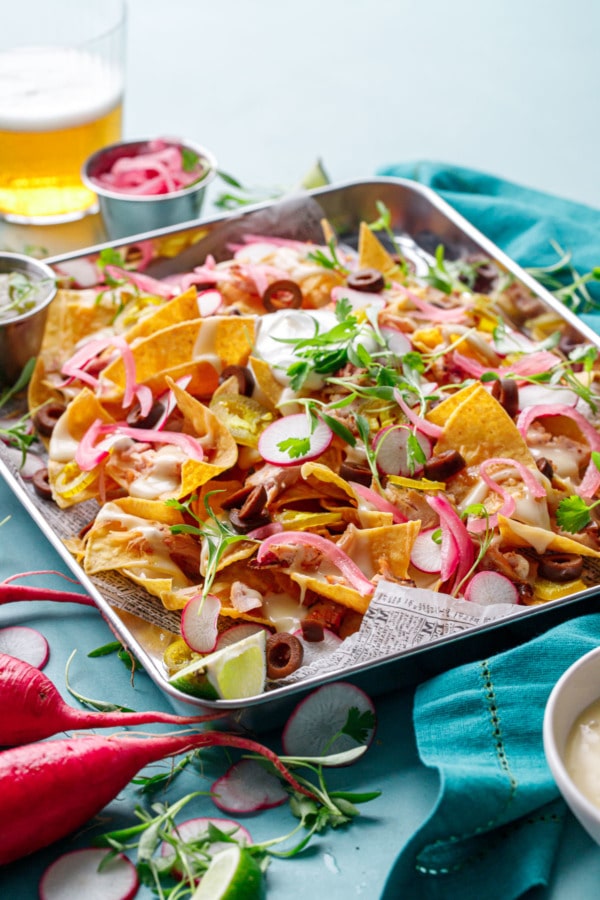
[(292, 690)]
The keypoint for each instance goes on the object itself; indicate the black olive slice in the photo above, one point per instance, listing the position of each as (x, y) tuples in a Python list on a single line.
[(282, 294), (371, 281)]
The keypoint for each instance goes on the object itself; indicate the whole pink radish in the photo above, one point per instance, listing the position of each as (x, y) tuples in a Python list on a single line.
[(51, 788), (31, 708)]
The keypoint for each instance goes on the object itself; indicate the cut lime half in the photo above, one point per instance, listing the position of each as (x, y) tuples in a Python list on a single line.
[(232, 875), (232, 673)]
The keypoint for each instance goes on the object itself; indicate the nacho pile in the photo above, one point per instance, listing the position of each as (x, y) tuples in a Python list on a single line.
[(285, 429)]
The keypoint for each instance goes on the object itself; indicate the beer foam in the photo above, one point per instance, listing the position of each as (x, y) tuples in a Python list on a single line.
[(47, 88)]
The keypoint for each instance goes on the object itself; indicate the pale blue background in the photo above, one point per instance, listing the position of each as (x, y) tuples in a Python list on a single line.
[(510, 88)]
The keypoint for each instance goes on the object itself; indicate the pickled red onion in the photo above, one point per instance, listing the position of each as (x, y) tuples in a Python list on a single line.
[(74, 367), (89, 454), (590, 483), (145, 283), (535, 488), (157, 170), (532, 364), (458, 552), (421, 424), (378, 501), (435, 313), (351, 572)]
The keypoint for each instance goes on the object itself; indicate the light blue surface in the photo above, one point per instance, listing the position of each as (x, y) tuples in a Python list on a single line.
[(507, 88)]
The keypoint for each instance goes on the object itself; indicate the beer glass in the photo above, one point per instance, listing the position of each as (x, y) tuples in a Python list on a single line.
[(61, 98)]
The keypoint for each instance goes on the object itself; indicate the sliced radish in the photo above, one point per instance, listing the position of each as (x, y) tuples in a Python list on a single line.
[(199, 622), (76, 875), (198, 831), (314, 650), (239, 632), (537, 394), (273, 442), (209, 302), (313, 725), (357, 299), (247, 787), (25, 643), (486, 588), (426, 553), (392, 448), (397, 342)]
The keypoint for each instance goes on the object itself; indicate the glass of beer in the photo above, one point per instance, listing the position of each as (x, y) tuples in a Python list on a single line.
[(61, 99)]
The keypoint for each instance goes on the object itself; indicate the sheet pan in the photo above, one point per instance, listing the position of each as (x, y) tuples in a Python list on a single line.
[(421, 221)]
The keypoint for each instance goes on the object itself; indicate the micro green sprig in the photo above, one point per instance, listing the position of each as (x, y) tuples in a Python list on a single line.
[(157, 826), (216, 535), (564, 281)]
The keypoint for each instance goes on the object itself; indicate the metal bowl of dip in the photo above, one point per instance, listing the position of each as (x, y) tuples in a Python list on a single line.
[(572, 739), (27, 286)]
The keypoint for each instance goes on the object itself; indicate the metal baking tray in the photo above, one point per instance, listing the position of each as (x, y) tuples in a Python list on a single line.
[(421, 221)]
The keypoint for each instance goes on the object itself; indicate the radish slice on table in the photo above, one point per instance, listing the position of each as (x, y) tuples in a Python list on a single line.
[(77, 875), (313, 725), (392, 446), (273, 442), (199, 622), (26, 644), (486, 588), (247, 787), (314, 650), (426, 553), (238, 633), (198, 830)]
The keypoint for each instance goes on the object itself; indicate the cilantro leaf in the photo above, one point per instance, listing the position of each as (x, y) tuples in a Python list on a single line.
[(294, 447), (358, 725), (573, 514), (189, 159)]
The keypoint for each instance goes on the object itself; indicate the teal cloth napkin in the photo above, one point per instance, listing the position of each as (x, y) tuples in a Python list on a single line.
[(520, 220), (497, 822)]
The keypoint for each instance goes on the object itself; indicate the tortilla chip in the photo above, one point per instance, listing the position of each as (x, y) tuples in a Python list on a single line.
[(270, 390), (372, 254), (440, 414), (479, 428), (182, 308), (121, 539), (517, 534), (209, 343), (383, 550), (328, 482), (199, 420)]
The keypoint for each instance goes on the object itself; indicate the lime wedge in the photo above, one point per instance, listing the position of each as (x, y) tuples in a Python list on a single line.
[(315, 177), (232, 673), (232, 875)]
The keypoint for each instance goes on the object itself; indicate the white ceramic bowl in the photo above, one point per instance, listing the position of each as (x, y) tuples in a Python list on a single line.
[(575, 690)]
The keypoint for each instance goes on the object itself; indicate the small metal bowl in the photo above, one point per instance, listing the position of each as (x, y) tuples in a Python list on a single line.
[(126, 214), (21, 334)]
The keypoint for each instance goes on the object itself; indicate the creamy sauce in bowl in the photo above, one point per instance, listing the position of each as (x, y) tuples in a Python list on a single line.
[(582, 753), (20, 294)]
